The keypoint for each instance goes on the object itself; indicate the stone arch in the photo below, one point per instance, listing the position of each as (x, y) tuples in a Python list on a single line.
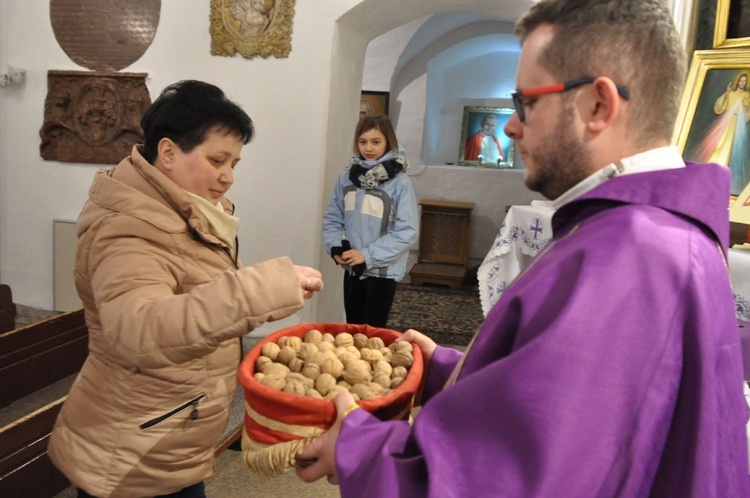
[(352, 33)]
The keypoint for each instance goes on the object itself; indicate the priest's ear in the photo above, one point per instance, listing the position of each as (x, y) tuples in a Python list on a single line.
[(602, 106)]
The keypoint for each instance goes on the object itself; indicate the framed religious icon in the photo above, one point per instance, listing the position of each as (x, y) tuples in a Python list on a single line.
[(373, 103), (712, 124), (251, 27), (483, 142), (732, 28)]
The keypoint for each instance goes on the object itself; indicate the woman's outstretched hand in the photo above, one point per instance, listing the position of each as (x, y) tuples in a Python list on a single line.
[(310, 280)]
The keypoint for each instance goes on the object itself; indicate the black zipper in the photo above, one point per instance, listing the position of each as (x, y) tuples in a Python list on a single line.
[(162, 418)]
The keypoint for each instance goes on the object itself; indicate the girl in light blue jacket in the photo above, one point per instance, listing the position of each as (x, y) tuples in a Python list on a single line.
[(371, 222)]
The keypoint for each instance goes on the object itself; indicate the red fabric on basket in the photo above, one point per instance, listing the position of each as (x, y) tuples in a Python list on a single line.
[(307, 411)]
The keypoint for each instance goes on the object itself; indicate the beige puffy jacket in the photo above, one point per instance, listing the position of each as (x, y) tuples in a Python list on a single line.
[(165, 306)]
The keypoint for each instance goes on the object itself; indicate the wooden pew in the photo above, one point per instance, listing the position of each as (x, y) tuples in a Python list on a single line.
[(7, 309), (38, 364)]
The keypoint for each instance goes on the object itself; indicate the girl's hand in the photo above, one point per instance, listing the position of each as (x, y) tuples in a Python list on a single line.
[(310, 280), (353, 257), (319, 458)]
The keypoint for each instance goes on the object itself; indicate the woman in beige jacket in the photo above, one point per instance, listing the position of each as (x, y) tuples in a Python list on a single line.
[(166, 300)]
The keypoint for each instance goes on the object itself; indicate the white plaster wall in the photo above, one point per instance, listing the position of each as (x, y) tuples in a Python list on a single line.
[(279, 181)]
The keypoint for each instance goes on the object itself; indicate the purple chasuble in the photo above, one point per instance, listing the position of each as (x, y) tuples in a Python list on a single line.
[(610, 367)]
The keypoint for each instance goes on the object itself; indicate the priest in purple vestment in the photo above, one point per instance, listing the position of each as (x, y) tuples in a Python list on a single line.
[(611, 366)]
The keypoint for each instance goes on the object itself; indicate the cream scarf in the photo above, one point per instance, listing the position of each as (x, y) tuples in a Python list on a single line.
[(221, 225)]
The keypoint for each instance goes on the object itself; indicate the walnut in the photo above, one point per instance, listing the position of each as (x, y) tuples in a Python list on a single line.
[(296, 364), (382, 379), (276, 369), (371, 354), (286, 355), (396, 381), (363, 391), (344, 384), (317, 357), (399, 372), (274, 381), (402, 358), (283, 341), (325, 346), (314, 336), (387, 354), (295, 343), (324, 383), (401, 346), (375, 343), (354, 351), (309, 383), (307, 349), (295, 387), (271, 349), (339, 350), (382, 366), (355, 373), (311, 370), (346, 357), (363, 363), (360, 340), (328, 337), (332, 366), (313, 393), (344, 339), (261, 362), (330, 354), (259, 376), (377, 388)]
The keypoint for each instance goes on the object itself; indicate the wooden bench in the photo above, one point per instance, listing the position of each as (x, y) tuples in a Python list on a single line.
[(7, 309), (38, 364)]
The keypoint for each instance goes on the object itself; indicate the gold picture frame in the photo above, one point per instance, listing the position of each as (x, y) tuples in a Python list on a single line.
[(251, 28), (732, 27), (708, 124), (472, 129), (372, 102)]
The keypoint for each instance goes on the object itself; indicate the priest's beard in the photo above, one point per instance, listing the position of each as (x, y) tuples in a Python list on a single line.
[(561, 162)]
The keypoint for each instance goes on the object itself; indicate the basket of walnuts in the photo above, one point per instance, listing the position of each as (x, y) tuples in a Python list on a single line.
[(292, 375)]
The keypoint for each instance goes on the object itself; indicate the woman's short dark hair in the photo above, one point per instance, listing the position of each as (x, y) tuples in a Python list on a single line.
[(186, 111)]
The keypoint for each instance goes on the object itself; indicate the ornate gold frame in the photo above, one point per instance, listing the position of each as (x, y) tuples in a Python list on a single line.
[(726, 62), (231, 35), (721, 28), (472, 117)]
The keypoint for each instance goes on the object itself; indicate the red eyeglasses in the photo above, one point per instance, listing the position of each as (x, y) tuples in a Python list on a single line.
[(517, 95)]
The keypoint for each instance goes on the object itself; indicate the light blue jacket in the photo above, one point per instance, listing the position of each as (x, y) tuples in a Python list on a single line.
[(383, 223)]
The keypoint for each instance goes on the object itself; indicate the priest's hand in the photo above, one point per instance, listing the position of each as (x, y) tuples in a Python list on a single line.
[(426, 344), (319, 458)]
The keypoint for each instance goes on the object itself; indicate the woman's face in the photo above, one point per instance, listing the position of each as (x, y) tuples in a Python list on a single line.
[(372, 144), (742, 82), (206, 171)]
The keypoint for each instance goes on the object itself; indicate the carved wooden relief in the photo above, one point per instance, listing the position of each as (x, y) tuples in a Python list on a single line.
[(251, 27), (92, 117)]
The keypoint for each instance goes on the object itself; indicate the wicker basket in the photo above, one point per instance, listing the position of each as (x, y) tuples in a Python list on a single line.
[(278, 424)]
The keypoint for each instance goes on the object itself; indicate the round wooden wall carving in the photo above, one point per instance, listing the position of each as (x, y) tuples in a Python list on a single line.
[(104, 35)]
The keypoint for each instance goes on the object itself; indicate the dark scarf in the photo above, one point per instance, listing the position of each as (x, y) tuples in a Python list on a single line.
[(370, 178)]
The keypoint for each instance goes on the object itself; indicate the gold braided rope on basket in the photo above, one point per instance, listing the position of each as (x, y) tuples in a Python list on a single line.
[(272, 460)]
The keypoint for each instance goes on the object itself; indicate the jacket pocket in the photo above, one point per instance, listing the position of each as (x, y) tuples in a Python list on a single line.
[(192, 404)]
